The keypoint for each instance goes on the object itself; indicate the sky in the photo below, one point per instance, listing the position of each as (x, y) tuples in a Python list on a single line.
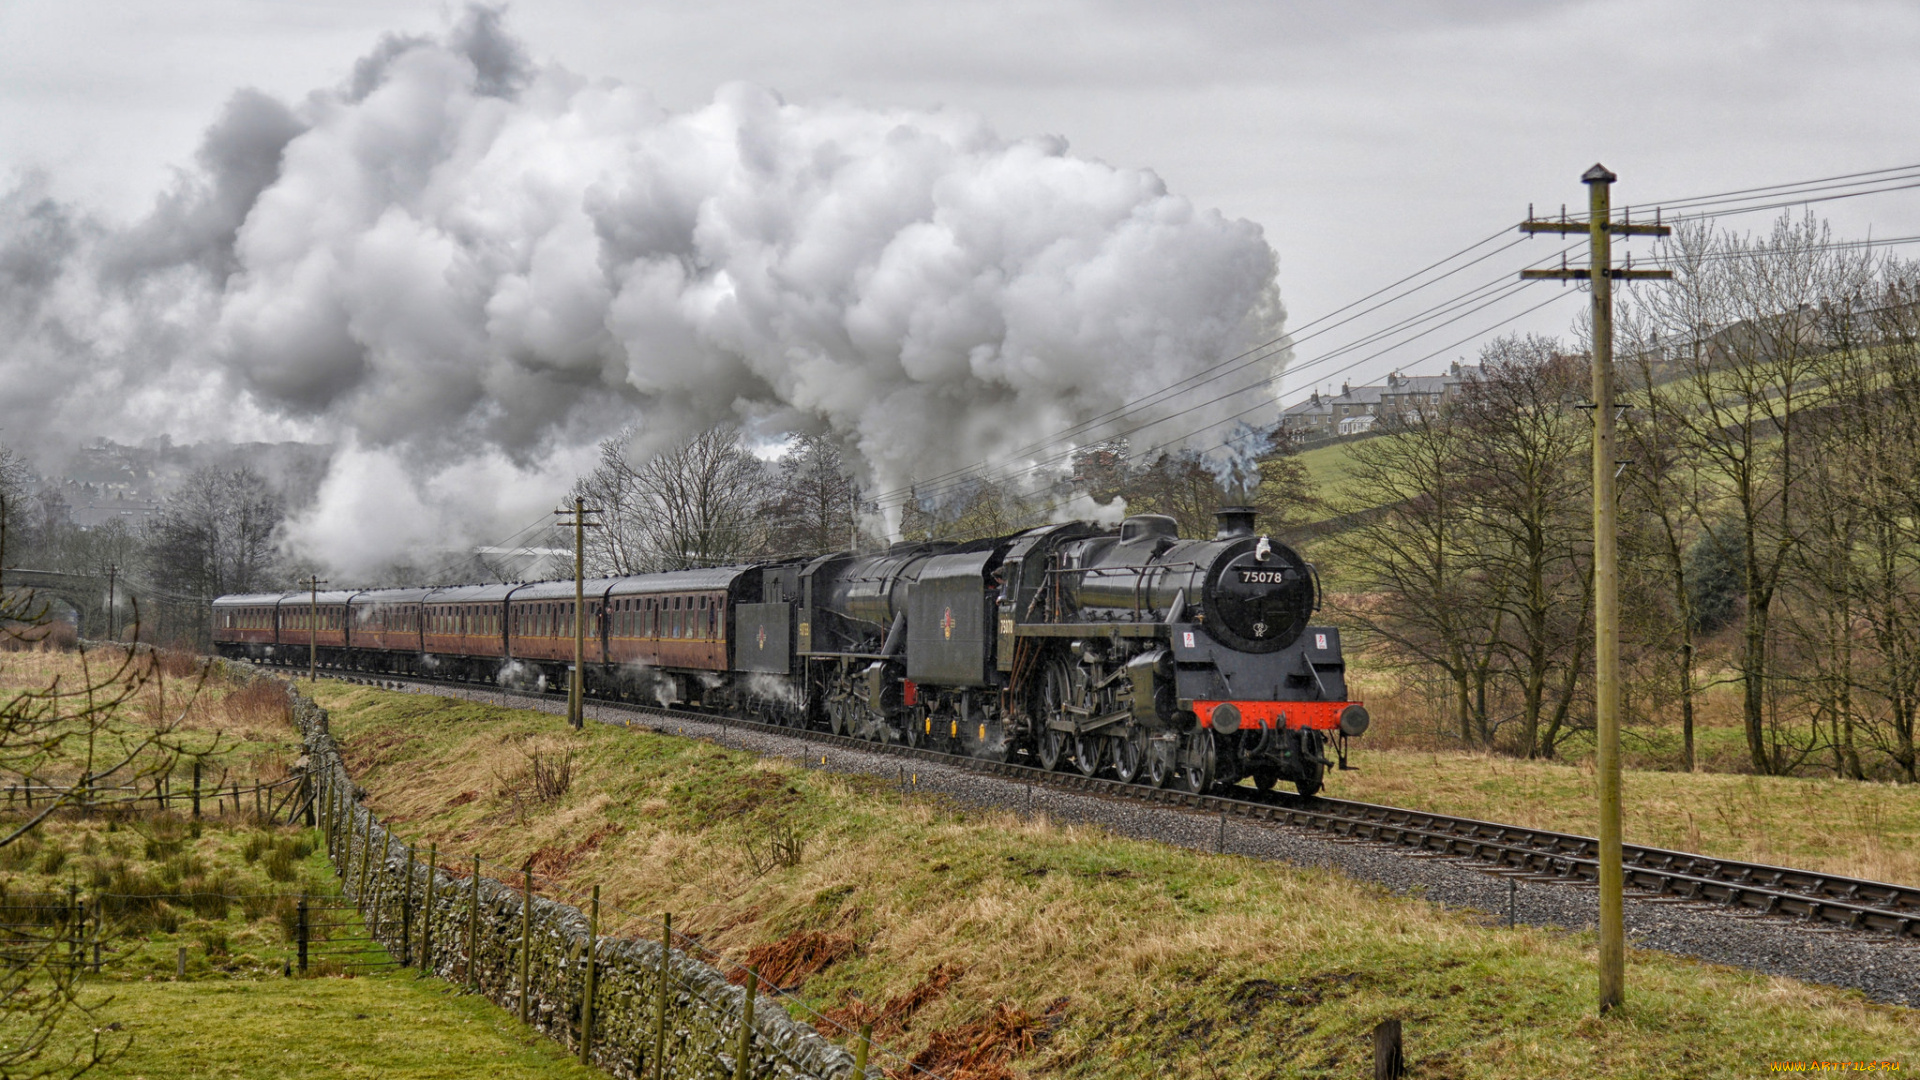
[(1362, 140)]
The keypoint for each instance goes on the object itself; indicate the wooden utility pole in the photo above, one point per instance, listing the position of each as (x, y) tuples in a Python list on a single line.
[(1600, 275), (313, 627), (576, 709)]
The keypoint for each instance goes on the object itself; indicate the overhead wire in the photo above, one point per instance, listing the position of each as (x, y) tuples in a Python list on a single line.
[(973, 472), (1436, 315)]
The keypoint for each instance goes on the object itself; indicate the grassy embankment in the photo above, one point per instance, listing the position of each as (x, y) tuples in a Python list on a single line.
[(1868, 829), (225, 889), (1079, 953)]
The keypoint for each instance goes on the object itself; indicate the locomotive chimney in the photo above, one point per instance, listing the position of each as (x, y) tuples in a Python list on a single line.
[(1234, 521)]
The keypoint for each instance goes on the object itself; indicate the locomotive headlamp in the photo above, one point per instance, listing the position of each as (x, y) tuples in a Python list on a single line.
[(1354, 720), (1263, 550), (1225, 718)]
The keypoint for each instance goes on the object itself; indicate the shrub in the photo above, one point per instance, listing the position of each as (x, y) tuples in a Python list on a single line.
[(206, 896), (19, 853), (280, 864), (256, 846), (52, 858)]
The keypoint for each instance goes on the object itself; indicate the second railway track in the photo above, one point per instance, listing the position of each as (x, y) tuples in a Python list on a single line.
[(1827, 901)]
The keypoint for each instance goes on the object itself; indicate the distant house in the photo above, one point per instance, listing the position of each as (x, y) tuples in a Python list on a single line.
[(1356, 409), (1356, 401), (1313, 416)]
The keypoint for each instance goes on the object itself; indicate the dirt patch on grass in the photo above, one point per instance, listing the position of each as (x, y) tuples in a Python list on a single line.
[(898, 1013), (981, 1050), (556, 861), (787, 963), (750, 793)]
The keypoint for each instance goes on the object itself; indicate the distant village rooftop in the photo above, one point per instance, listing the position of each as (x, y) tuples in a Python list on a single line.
[(1402, 398)]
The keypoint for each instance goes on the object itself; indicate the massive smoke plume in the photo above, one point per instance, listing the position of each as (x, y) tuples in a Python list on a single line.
[(464, 267)]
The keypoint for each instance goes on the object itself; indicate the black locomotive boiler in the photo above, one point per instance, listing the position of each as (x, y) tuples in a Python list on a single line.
[(1127, 652)]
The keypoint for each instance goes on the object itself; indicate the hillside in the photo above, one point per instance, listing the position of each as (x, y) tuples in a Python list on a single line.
[(1081, 953)]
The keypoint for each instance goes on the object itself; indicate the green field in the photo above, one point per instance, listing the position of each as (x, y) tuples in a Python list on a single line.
[(387, 1025), (225, 889)]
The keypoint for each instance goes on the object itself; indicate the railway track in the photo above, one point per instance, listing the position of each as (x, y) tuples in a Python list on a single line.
[(1824, 901)]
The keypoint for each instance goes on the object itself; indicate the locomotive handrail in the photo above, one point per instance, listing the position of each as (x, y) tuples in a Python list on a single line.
[(1103, 571)]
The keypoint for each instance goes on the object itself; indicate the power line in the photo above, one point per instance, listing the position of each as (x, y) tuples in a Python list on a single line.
[(1439, 315), (1188, 434), (968, 474)]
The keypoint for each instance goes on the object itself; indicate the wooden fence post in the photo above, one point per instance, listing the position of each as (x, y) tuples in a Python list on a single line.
[(1388, 1062), (301, 928), (426, 909), (473, 931), (660, 1020), (380, 887), (406, 905), (586, 980), (740, 1070), (860, 1051), (366, 861), (196, 787), (526, 939)]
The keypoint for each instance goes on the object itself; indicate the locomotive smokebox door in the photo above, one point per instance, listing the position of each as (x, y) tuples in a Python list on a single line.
[(949, 638), (763, 637)]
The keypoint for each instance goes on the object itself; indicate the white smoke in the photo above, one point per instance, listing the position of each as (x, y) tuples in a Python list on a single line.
[(466, 267)]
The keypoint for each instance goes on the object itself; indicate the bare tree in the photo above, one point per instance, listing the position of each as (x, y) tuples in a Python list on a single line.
[(1402, 570), (1747, 311), (815, 504), (1189, 487), (217, 534), (13, 492), (699, 503), (1527, 483)]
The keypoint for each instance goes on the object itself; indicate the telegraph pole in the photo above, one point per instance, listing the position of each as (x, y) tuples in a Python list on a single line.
[(576, 686), (314, 582), (1600, 275)]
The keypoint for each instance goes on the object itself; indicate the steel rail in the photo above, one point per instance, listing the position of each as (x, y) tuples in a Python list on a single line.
[(1829, 901)]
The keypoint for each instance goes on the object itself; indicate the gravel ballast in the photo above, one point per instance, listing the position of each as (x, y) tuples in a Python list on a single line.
[(1884, 970)]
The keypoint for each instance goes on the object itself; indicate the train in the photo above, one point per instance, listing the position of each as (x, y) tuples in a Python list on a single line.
[(1126, 652)]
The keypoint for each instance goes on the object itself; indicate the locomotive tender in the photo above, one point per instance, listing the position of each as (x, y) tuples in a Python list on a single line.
[(1130, 652)]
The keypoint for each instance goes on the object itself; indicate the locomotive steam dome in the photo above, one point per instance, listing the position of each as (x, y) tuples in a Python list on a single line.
[(1259, 596)]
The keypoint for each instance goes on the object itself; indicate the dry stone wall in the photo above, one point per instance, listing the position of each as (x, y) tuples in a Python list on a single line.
[(480, 934)]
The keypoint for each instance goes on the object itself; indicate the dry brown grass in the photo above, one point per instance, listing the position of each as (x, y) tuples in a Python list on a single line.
[(1869, 830), (970, 927), (238, 729)]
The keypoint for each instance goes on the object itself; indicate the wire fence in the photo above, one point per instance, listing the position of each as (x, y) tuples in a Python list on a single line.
[(660, 1006), (323, 934), (270, 800)]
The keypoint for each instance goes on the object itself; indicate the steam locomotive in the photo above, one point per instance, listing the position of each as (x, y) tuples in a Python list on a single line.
[(1128, 652)]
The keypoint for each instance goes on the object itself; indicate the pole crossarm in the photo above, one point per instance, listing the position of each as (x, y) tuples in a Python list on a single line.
[(1571, 228), (1585, 275)]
